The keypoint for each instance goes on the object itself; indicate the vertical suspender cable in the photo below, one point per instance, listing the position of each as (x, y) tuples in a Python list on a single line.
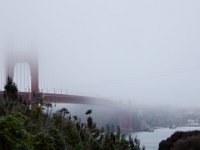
[(4, 70), (26, 71), (20, 66), (19, 80), (28, 78), (24, 77), (42, 78), (1, 73), (1, 82), (18, 77), (18, 72)]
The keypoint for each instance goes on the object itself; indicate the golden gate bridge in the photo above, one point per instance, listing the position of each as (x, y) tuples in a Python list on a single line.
[(30, 61)]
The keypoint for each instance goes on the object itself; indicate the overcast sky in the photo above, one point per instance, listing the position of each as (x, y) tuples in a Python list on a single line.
[(146, 51)]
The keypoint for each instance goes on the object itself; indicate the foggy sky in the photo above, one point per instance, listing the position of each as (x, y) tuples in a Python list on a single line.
[(144, 51)]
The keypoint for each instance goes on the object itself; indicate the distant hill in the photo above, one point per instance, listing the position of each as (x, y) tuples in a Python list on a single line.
[(182, 141)]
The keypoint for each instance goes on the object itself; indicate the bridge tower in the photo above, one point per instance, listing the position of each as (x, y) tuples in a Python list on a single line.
[(126, 121), (126, 118), (29, 57), (130, 116), (130, 121)]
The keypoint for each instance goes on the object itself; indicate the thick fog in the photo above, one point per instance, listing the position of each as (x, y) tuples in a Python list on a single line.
[(143, 51)]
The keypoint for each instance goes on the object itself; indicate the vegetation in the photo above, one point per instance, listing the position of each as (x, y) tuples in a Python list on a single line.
[(22, 128)]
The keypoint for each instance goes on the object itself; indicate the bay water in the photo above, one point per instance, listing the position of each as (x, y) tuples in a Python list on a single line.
[(151, 140)]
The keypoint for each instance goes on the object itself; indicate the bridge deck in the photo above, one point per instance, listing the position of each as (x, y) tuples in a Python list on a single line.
[(64, 98)]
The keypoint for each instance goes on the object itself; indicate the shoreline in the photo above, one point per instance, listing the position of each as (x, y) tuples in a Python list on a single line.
[(157, 128)]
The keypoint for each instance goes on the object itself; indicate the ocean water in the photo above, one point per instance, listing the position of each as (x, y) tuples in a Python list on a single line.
[(151, 140)]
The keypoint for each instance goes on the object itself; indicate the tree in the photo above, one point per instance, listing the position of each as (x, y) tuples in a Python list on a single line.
[(13, 135), (22, 128), (64, 111), (43, 141), (10, 90), (118, 134), (58, 139)]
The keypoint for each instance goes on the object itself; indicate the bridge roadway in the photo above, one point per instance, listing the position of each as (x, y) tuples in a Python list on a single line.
[(65, 98)]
